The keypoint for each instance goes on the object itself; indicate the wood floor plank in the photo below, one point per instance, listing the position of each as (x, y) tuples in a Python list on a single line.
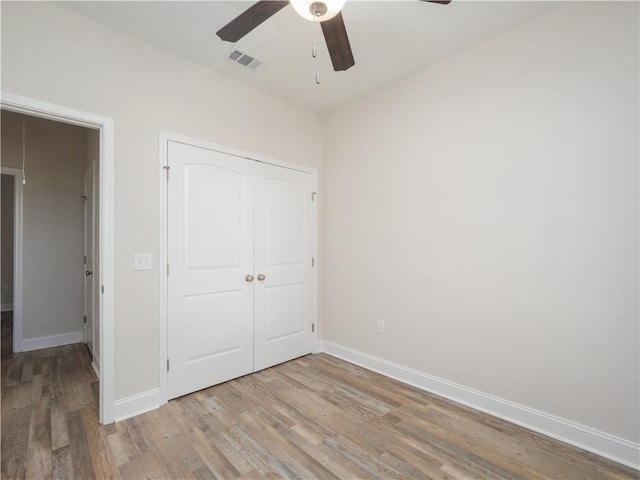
[(335, 377), (203, 416), (16, 397), (102, 458), (255, 453), (314, 449), (177, 454), (308, 435), (15, 437), (519, 456), (360, 458), (428, 465), (27, 370), (118, 450), (38, 460), (216, 461), (336, 464), (133, 438), (235, 457), (13, 375), (79, 447), (167, 433), (36, 388), (269, 432), (361, 406), (62, 463), (147, 466), (59, 429), (202, 473), (453, 454), (56, 387)]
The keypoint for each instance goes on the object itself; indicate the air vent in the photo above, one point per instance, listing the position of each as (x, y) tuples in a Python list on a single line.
[(244, 59)]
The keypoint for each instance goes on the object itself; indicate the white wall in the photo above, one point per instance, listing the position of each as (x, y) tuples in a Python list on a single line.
[(52, 222), (54, 55), (7, 239), (487, 210)]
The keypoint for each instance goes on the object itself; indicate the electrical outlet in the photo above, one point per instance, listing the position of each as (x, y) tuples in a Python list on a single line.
[(380, 326), (142, 261)]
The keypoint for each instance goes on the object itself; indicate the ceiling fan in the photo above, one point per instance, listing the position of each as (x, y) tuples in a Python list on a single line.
[(327, 12)]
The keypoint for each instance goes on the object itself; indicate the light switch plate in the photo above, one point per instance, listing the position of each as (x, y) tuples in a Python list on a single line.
[(142, 261)]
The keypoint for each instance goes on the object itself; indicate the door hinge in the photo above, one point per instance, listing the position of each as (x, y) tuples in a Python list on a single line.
[(85, 259), (102, 289), (84, 319), (313, 327), (313, 261), (166, 169), (167, 269), (313, 196), (167, 364)]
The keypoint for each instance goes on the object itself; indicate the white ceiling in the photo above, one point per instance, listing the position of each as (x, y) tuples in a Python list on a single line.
[(390, 40)]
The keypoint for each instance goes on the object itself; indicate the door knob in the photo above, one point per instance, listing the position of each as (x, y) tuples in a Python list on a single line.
[(261, 277), (249, 278), (88, 272)]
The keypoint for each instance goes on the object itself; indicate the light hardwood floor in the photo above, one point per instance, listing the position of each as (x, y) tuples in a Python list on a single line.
[(314, 417)]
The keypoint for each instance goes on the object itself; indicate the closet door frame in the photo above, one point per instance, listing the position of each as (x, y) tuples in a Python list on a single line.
[(163, 172)]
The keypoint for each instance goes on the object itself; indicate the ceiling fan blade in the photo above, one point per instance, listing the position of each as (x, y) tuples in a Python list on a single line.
[(441, 2), (250, 19), (335, 34)]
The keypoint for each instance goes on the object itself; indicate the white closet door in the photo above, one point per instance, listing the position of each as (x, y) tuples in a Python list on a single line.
[(284, 233), (210, 251)]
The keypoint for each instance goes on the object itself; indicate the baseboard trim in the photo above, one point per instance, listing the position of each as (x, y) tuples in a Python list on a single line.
[(587, 438), (6, 307), (96, 369), (48, 341), (136, 404)]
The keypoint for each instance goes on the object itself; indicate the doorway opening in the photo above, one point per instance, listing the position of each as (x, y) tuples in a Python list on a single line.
[(56, 230), (54, 246), (68, 193)]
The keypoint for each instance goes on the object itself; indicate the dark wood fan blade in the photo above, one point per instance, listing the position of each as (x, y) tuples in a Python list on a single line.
[(250, 19), (441, 2), (335, 34)]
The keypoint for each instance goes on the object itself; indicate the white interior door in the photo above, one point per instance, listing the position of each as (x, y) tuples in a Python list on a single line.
[(284, 288), (210, 253), (89, 248)]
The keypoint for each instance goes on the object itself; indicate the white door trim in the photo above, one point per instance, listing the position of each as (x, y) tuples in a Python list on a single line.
[(17, 255), (38, 108), (164, 138)]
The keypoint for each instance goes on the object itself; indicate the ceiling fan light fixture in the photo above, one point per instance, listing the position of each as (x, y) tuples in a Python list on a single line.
[(317, 11)]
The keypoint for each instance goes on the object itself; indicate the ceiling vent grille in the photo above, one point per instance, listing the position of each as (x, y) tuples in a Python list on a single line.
[(244, 59)]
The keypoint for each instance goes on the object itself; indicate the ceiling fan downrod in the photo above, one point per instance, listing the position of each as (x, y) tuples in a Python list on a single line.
[(315, 50)]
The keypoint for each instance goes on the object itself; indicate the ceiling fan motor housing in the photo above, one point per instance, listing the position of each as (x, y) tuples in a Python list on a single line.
[(318, 9)]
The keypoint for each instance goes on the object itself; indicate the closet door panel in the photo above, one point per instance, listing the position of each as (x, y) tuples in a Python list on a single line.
[(284, 233), (210, 245)]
